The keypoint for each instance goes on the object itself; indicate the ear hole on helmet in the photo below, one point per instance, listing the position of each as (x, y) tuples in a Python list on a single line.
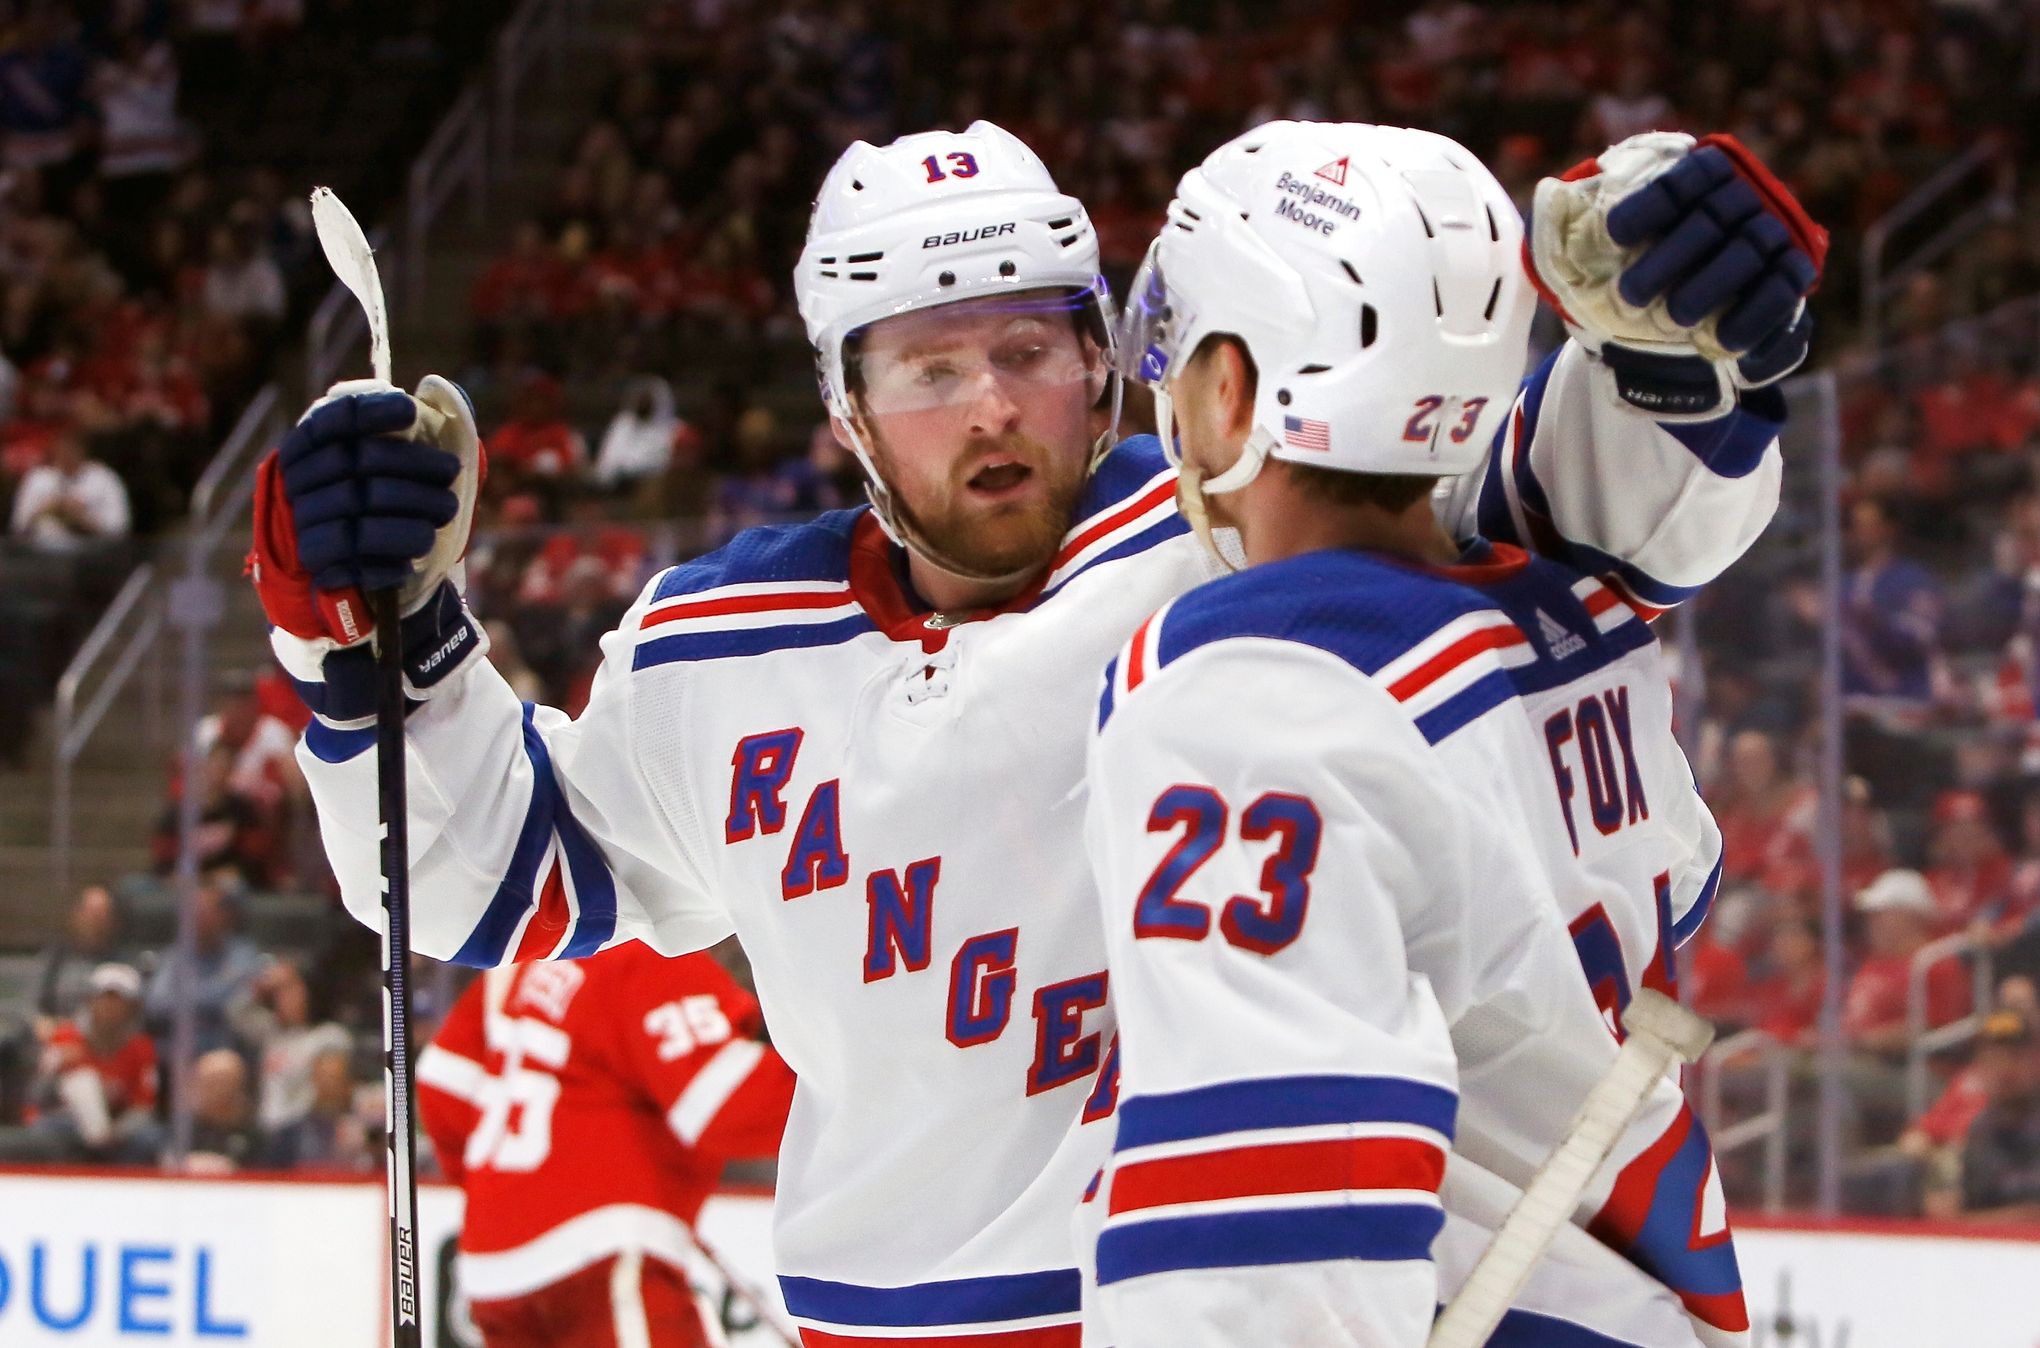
[(1494, 297), (1350, 272), (1494, 230), (1369, 322), (1437, 300), (856, 186), (1063, 223), (1314, 369), (862, 257)]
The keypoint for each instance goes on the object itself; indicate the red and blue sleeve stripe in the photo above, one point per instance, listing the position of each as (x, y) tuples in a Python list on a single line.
[(1664, 1215), (1278, 1170), (531, 889)]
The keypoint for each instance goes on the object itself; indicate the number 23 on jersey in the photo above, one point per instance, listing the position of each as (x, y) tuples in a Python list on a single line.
[(1264, 923)]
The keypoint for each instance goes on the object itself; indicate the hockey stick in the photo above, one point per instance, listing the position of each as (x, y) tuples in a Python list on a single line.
[(744, 1292), (347, 250), (1659, 1033)]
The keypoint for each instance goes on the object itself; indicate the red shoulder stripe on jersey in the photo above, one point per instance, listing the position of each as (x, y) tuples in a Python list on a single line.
[(1087, 534), (746, 603), (1499, 637), (1280, 1168), (1136, 657), (1600, 601), (542, 934), (1043, 1336), (1650, 613)]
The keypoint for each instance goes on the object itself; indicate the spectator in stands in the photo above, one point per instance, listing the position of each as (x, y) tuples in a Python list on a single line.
[(1786, 1002), (224, 1135), (1935, 1139), (70, 502), (226, 964), (536, 450), (1970, 874), (241, 279), (639, 440), (328, 1135), (93, 937), (1891, 617), (1794, 872), (45, 115), (1899, 910), (140, 142), (2001, 1158), (96, 1091), (274, 1019), (1713, 978), (233, 828), (1757, 805)]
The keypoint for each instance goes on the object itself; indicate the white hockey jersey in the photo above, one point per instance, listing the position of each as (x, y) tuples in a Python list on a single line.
[(1349, 888), (887, 811)]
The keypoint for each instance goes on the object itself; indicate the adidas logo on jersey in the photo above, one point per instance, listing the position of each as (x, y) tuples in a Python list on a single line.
[(1560, 642)]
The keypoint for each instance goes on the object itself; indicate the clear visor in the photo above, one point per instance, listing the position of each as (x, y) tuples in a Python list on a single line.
[(1148, 328), (954, 356)]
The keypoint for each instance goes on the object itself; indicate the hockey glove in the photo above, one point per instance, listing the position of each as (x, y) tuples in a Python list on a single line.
[(1683, 266), (372, 489)]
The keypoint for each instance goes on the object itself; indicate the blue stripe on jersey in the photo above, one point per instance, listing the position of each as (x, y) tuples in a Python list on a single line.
[(1283, 1102), (1362, 607), (594, 887), (1733, 446), (1687, 925), (1527, 1329), (957, 1301), (488, 942), (731, 643), (1376, 1231), (1471, 703), (1528, 488), (330, 744), (1105, 697), (1161, 531), (816, 550)]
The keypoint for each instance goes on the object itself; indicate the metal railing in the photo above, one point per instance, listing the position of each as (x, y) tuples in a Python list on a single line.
[(1987, 160), (124, 640), (1768, 1126), (457, 156), (1923, 1042), (518, 47)]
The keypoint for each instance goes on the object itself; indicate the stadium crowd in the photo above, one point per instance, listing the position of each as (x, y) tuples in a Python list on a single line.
[(641, 378)]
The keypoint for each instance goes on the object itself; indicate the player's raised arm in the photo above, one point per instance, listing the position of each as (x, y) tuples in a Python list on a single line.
[(1645, 448), (1288, 1089), (532, 835)]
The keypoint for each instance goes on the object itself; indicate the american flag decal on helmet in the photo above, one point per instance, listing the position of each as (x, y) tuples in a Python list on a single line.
[(1303, 433)]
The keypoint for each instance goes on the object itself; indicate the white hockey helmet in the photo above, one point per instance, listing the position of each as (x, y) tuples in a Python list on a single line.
[(936, 218), (1374, 274)]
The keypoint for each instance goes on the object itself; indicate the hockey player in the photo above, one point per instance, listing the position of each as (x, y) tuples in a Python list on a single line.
[(1360, 814), (856, 742), (586, 1110)]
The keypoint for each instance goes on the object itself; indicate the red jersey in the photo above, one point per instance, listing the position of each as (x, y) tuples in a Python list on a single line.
[(129, 1072), (538, 449), (1876, 995), (1946, 1122), (1788, 1011), (587, 1109)]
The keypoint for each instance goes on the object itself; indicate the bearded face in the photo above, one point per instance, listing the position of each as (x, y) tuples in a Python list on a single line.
[(977, 416)]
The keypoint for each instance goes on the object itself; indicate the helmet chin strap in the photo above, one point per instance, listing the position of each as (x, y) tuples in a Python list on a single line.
[(1192, 486)]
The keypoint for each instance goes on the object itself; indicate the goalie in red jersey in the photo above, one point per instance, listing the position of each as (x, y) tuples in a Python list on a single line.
[(587, 1110)]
